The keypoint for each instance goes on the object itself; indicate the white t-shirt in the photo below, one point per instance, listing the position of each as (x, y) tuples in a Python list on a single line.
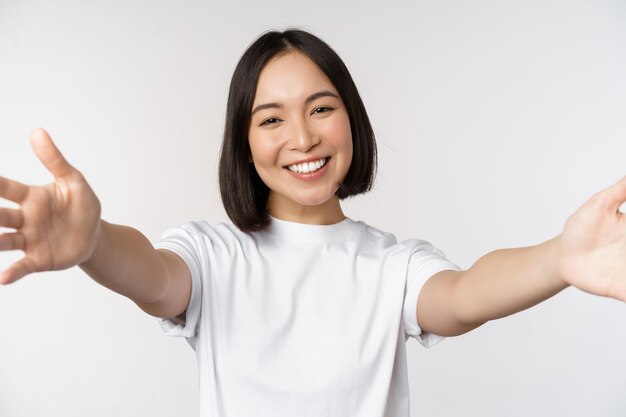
[(302, 320)]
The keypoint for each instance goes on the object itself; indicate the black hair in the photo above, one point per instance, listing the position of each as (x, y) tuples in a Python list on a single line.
[(244, 194)]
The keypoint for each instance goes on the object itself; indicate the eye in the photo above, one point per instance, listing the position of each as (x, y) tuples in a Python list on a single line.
[(322, 109), (270, 121)]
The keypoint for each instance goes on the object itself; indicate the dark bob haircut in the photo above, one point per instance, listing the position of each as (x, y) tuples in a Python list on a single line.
[(243, 192)]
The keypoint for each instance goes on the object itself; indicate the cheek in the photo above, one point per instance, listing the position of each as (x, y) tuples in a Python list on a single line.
[(253, 152), (264, 154), (346, 144), (343, 139), (348, 135), (340, 133), (260, 151), (261, 159)]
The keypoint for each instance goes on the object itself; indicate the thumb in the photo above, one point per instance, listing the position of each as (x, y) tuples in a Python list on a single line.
[(49, 154), (614, 196)]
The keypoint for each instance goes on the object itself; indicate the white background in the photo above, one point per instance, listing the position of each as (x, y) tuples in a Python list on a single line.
[(495, 120)]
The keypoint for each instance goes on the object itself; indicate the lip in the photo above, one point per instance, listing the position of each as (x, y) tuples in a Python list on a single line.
[(310, 176), (302, 161)]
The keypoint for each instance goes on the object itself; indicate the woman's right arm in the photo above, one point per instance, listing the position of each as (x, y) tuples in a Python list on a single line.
[(58, 226), (125, 261)]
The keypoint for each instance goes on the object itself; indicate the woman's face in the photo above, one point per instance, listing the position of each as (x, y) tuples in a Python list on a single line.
[(300, 139)]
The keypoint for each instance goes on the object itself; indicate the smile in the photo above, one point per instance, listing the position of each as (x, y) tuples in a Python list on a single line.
[(307, 167)]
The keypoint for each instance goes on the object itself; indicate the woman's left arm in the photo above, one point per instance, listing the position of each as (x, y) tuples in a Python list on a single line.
[(589, 254)]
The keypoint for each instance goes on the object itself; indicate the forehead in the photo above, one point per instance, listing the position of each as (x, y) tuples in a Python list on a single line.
[(290, 76)]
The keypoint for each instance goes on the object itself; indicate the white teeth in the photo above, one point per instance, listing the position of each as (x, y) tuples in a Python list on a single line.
[(307, 167)]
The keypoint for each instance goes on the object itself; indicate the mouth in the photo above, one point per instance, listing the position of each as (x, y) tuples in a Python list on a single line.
[(308, 167)]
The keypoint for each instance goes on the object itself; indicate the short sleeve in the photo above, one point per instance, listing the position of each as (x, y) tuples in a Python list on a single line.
[(185, 242), (424, 262)]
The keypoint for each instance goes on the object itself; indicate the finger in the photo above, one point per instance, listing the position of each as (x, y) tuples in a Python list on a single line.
[(11, 218), (18, 270), (12, 190), (12, 241), (49, 154)]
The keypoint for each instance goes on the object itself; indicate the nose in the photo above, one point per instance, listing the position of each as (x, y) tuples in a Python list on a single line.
[(302, 137)]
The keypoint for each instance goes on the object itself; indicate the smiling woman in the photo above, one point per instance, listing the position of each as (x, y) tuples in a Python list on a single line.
[(292, 95), (294, 309), (305, 124)]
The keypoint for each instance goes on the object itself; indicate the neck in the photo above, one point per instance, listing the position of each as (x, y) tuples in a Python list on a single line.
[(327, 213)]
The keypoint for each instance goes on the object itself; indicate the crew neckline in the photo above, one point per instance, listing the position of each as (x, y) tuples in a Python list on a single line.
[(344, 230)]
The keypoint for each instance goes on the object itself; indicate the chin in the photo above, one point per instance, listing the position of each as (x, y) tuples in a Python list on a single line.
[(312, 203), (315, 200)]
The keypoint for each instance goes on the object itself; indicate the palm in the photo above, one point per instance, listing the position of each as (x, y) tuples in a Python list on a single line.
[(55, 225), (594, 245)]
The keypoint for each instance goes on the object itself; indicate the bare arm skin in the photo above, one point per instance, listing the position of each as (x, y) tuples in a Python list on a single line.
[(590, 254), (58, 226), (125, 261), (500, 283)]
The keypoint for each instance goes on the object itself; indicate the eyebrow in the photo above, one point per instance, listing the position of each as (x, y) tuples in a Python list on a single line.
[(309, 99)]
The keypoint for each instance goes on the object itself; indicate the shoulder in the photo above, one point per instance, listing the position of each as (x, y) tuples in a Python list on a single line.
[(374, 234), (203, 228), (415, 250), (387, 239), (201, 234)]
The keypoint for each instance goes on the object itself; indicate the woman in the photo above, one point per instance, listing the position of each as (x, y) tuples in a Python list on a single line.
[(293, 308)]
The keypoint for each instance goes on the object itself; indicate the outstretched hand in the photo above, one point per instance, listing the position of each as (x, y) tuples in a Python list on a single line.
[(593, 246), (56, 225)]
